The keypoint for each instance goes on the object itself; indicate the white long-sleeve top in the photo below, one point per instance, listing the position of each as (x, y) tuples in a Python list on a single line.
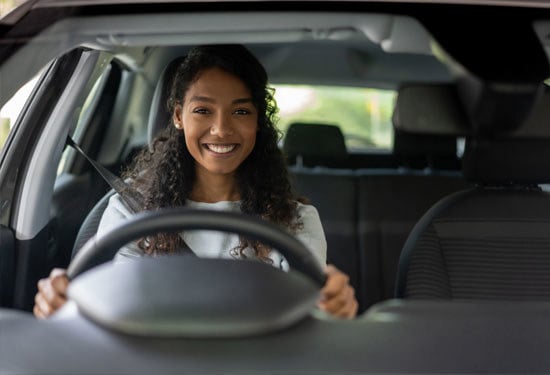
[(211, 244)]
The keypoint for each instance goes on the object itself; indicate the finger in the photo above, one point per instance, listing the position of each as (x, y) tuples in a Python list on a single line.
[(51, 295), (60, 283), (42, 306), (339, 301), (37, 313), (59, 280), (336, 281), (58, 272), (348, 311)]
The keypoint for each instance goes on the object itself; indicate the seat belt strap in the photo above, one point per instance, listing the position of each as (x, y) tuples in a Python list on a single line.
[(131, 198)]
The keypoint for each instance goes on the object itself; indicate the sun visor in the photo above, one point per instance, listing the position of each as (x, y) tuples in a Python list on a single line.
[(429, 109)]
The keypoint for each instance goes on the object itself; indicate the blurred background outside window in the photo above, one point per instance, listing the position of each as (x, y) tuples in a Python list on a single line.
[(7, 5)]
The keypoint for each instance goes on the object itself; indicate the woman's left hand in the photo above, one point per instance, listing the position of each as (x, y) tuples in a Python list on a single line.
[(337, 296)]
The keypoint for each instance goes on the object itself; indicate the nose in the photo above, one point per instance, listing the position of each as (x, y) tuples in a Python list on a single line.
[(222, 126)]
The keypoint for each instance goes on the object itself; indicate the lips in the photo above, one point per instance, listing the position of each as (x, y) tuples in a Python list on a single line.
[(220, 148)]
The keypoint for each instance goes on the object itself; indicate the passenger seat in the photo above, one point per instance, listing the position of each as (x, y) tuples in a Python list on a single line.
[(391, 201), (490, 242)]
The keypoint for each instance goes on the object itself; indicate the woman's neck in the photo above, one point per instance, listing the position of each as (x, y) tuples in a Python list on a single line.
[(210, 188)]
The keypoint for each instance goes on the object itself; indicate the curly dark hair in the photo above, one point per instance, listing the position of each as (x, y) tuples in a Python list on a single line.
[(165, 173)]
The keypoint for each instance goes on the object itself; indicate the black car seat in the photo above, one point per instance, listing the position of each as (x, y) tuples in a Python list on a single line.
[(159, 118), (491, 241), (391, 200)]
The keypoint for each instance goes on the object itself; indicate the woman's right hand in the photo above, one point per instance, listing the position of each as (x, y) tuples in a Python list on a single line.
[(52, 293)]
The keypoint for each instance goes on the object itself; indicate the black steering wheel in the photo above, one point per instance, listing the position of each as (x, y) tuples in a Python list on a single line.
[(100, 250)]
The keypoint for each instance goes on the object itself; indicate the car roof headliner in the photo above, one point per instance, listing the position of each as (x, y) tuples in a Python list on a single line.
[(367, 42), (358, 49)]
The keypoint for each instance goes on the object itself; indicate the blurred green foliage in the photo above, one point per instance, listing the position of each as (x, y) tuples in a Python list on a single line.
[(7, 5), (363, 115)]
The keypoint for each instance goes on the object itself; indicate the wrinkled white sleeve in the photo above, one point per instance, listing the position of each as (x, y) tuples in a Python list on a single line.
[(311, 235), (115, 214)]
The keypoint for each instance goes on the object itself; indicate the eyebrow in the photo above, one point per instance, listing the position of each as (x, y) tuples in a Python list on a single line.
[(199, 98), (242, 101)]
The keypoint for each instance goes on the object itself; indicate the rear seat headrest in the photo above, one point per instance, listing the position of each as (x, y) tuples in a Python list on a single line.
[(316, 144), (427, 119), (159, 117), (429, 109)]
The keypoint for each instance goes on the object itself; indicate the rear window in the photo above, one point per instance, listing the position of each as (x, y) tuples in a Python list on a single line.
[(363, 114)]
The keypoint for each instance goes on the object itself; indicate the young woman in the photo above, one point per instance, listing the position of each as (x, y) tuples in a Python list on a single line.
[(219, 153)]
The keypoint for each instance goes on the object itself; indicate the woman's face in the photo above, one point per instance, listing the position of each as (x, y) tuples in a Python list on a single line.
[(219, 122)]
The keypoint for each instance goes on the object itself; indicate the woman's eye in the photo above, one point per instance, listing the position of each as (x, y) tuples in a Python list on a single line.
[(201, 111), (242, 111)]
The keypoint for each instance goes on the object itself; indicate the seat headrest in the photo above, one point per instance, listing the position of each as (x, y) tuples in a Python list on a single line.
[(429, 109), (427, 119), (159, 116), (498, 107), (316, 144), (520, 157), (507, 161)]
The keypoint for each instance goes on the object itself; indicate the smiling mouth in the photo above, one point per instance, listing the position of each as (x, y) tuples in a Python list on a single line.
[(220, 148)]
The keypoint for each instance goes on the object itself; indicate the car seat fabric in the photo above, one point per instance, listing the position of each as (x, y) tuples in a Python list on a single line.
[(90, 224), (389, 205), (489, 242), (480, 244), (391, 201)]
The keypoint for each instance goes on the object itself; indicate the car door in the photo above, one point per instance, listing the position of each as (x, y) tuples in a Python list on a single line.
[(33, 239)]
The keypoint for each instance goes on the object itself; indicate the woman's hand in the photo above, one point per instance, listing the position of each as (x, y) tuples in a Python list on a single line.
[(337, 296), (52, 293)]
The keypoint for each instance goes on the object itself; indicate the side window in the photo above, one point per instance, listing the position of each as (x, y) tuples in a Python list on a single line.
[(363, 114), (9, 113), (84, 116)]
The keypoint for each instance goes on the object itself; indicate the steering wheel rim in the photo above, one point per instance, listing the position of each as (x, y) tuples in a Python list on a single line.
[(99, 250)]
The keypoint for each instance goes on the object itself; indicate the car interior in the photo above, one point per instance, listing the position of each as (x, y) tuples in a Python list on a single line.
[(124, 100), (455, 208)]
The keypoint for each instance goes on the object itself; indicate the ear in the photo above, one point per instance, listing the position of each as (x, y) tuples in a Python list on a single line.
[(177, 116)]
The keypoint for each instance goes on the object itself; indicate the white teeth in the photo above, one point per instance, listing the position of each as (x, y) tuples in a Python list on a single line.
[(221, 149)]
